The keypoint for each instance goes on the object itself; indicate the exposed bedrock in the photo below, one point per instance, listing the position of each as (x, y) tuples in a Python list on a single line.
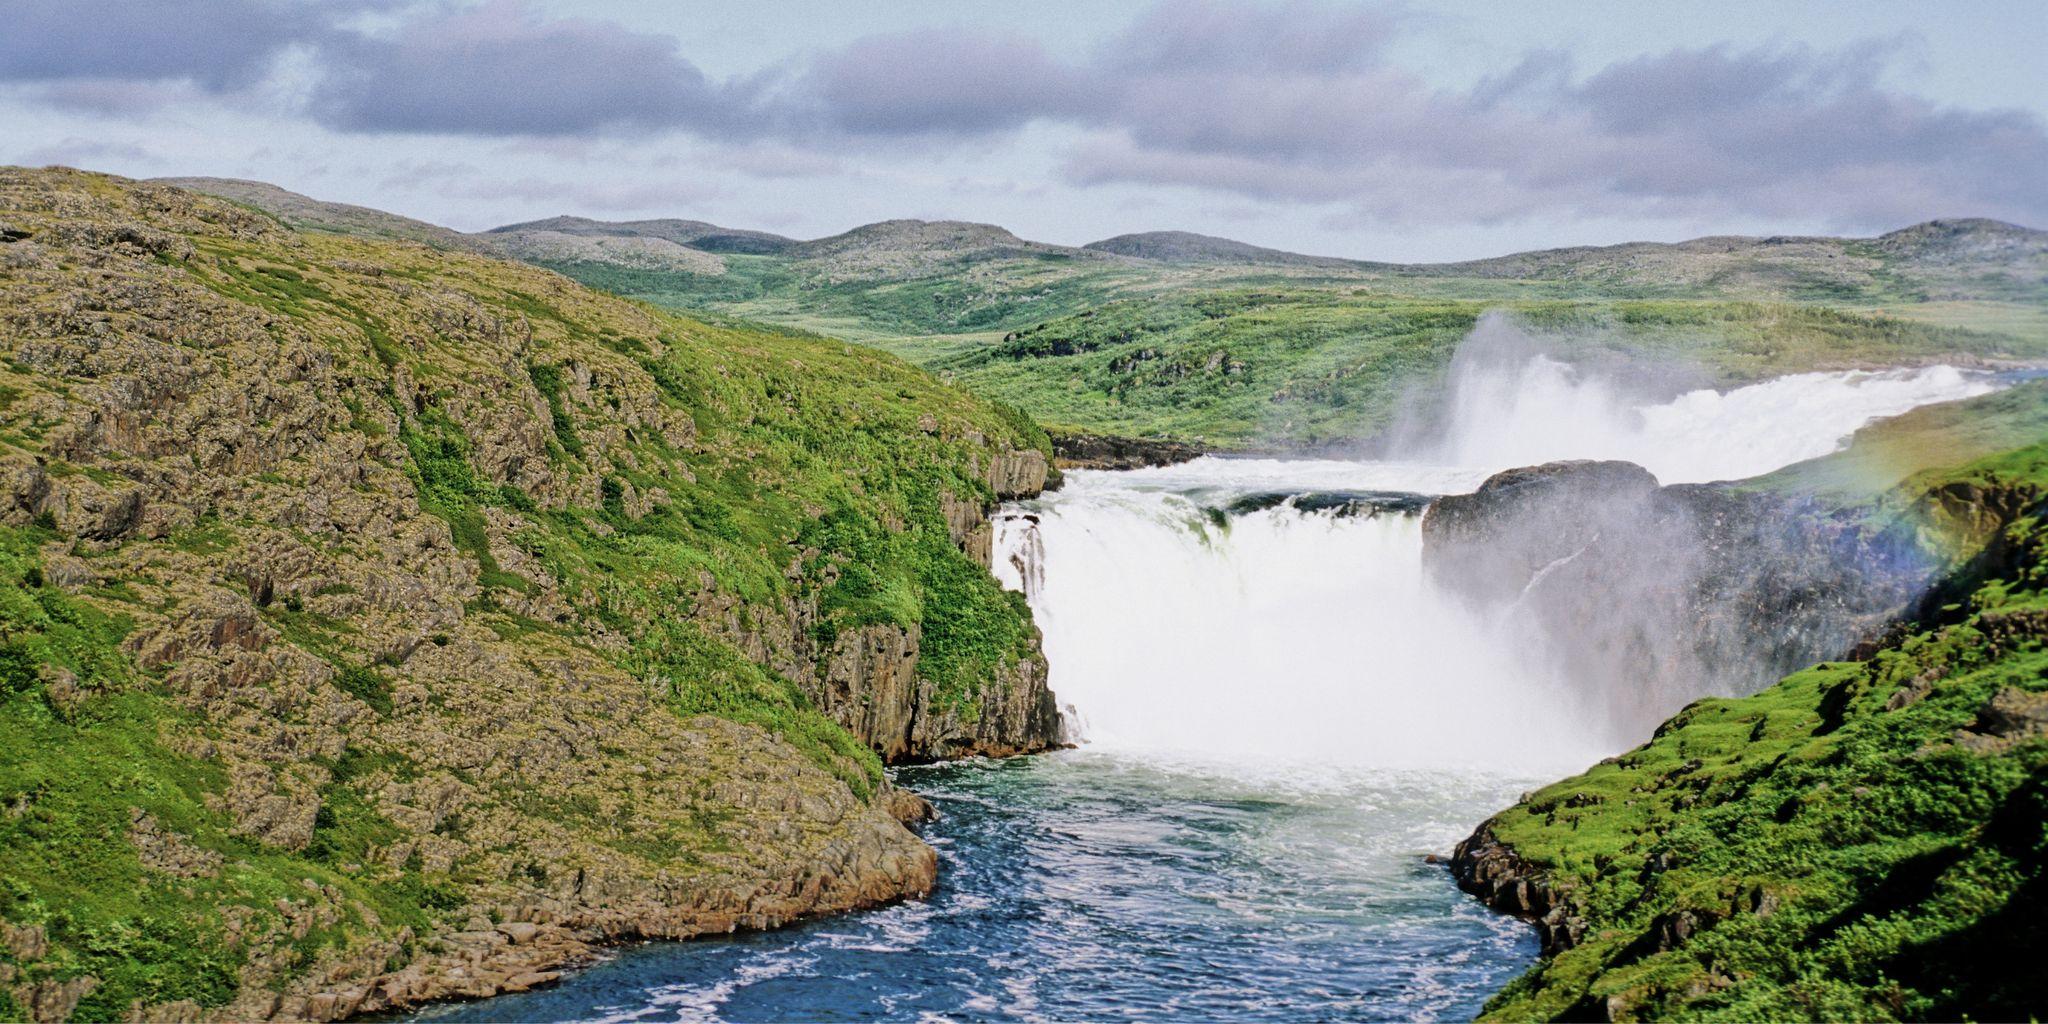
[(1647, 597), (1107, 451)]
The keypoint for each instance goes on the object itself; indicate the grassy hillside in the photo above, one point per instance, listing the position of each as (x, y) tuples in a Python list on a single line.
[(887, 279), (309, 214), (1885, 454), (1862, 841), (380, 622), (1306, 366), (1187, 336), (1199, 339)]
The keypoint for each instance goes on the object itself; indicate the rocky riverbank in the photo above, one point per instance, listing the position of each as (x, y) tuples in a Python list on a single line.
[(382, 624)]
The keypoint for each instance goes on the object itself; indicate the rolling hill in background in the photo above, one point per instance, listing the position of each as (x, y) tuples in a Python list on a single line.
[(1185, 336)]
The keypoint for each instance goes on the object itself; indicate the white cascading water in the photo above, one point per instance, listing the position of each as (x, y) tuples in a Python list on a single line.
[(1284, 636)]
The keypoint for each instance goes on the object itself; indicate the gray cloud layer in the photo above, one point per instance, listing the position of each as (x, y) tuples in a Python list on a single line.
[(219, 44), (1295, 102), (500, 70)]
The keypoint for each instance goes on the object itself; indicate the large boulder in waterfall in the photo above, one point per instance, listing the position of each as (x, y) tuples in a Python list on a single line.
[(1489, 544), (1647, 597)]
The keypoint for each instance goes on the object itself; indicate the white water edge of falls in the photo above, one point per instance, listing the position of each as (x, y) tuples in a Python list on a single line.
[(1189, 632)]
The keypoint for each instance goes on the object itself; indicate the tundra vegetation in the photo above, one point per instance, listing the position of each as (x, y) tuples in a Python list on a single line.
[(1179, 336)]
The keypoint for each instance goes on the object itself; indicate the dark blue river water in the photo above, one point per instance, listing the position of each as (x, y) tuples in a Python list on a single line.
[(1093, 886)]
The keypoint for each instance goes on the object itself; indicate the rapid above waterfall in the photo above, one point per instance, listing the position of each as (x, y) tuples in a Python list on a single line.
[(1276, 612)]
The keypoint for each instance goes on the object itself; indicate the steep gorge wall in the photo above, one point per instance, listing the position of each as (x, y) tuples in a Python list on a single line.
[(867, 679)]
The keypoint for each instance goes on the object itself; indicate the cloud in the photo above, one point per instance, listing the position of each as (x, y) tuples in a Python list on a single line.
[(601, 196), (77, 151), (219, 44), (1300, 103), (503, 69), (774, 160), (1777, 130), (115, 97), (1297, 103), (944, 83), (1207, 37), (1780, 132)]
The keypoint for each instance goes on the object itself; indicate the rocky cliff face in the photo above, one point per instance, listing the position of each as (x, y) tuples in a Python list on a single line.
[(1648, 597), (868, 679), (380, 624)]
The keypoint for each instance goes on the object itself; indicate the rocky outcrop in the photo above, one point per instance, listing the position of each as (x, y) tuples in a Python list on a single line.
[(2011, 717), (871, 686), (853, 855), (1647, 597), (1105, 451), (458, 616), (1490, 870), (868, 679)]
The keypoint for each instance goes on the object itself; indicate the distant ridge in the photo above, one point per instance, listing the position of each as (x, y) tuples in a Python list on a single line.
[(1975, 238), (907, 235), (985, 274), (909, 247), (305, 212), (696, 234), (1939, 241), (1189, 247)]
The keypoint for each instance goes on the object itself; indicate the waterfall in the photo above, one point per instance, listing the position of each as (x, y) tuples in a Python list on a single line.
[(1178, 622), (1280, 633)]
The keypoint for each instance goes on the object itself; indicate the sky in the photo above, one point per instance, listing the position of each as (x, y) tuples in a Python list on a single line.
[(1415, 130)]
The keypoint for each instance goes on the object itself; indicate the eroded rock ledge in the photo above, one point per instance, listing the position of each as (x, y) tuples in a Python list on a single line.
[(1492, 871), (1107, 451), (868, 679), (526, 944)]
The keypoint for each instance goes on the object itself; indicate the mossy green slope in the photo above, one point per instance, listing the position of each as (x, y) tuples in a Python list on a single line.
[(1885, 454), (380, 623), (1862, 841)]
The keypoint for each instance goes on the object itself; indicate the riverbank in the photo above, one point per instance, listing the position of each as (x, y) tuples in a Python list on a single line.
[(1102, 885)]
